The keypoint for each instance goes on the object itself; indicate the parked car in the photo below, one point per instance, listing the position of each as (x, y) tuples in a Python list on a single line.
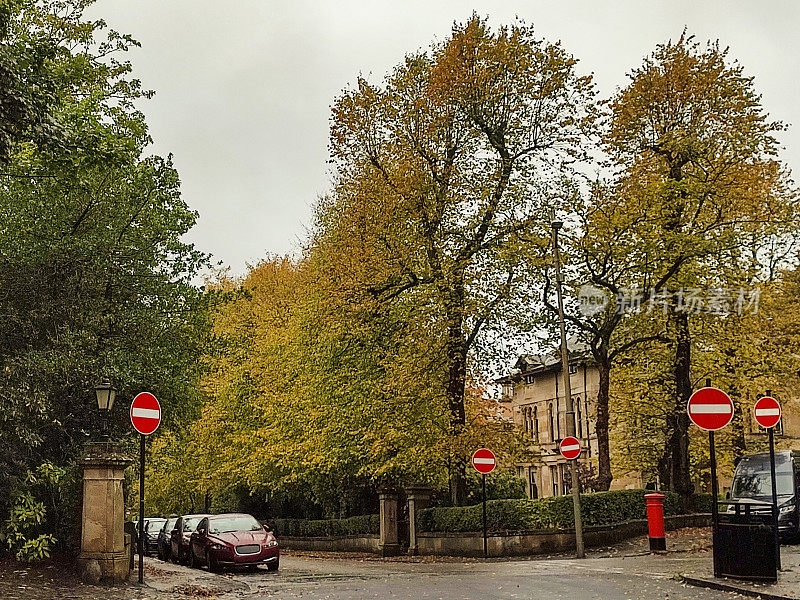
[(233, 540), (152, 527), (164, 543), (752, 480), (179, 537)]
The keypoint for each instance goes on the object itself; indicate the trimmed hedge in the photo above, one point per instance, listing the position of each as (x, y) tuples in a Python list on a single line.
[(601, 508), (363, 525), (701, 503)]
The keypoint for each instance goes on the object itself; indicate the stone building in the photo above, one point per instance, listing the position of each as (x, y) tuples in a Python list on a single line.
[(533, 394), (534, 391)]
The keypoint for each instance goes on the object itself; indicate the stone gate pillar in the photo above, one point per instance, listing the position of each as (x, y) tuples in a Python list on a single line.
[(418, 497), (389, 540), (102, 514)]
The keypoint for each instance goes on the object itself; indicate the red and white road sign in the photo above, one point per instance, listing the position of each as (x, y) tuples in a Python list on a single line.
[(768, 412), (484, 461), (710, 408), (570, 447), (145, 413)]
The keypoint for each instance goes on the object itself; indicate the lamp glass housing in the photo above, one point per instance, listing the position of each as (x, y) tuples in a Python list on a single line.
[(106, 393)]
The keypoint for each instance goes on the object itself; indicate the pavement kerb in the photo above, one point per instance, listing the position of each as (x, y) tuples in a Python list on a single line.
[(186, 577), (731, 587)]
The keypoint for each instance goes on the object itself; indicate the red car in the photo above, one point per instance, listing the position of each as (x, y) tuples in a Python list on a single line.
[(179, 537), (233, 540)]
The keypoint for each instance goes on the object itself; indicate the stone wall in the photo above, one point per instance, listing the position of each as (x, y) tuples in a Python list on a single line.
[(345, 543), (499, 544), (543, 542)]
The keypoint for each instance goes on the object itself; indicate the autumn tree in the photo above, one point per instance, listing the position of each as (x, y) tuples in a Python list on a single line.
[(698, 178), (440, 169)]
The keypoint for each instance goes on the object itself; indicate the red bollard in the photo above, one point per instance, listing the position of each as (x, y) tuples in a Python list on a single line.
[(655, 522)]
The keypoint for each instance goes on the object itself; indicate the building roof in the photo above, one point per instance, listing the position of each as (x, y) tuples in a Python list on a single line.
[(544, 363)]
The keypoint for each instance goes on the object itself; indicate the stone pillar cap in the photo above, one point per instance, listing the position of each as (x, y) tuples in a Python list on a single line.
[(418, 490), (105, 454)]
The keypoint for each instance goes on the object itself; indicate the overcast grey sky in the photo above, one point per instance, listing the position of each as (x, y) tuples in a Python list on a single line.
[(243, 88)]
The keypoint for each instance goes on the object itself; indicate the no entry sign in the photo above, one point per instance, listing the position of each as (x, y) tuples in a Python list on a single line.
[(768, 412), (484, 461), (570, 447), (710, 408), (145, 413)]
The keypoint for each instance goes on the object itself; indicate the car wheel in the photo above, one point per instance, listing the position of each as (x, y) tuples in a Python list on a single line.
[(212, 563), (273, 566)]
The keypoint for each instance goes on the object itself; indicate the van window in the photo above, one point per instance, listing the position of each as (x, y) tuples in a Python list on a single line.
[(752, 481)]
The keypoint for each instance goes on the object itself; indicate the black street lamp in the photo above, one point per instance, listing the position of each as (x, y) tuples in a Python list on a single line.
[(105, 393)]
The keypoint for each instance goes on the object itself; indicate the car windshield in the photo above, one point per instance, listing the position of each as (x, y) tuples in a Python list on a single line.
[(154, 525), (191, 523), (229, 524), (755, 483)]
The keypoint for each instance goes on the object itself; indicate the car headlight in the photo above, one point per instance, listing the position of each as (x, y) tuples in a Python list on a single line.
[(271, 544), (215, 547)]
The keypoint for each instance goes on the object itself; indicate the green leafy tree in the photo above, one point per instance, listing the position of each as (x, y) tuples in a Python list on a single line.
[(95, 279)]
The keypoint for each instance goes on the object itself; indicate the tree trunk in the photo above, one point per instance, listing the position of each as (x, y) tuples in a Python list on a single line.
[(678, 442), (457, 368), (604, 476), (737, 428)]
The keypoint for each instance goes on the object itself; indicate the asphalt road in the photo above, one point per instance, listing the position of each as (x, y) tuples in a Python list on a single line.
[(594, 579), (629, 577)]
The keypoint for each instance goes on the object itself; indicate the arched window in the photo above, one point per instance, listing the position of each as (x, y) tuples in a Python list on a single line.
[(552, 422), (535, 423)]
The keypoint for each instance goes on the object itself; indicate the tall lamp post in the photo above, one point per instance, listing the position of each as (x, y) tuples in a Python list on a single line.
[(576, 499), (106, 393)]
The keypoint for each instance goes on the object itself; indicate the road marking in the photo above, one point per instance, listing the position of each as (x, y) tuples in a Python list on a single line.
[(711, 409)]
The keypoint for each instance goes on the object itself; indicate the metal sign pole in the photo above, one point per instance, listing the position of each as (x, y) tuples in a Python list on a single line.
[(774, 496), (774, 491), (714, 496), (485, 543), (141, 508)]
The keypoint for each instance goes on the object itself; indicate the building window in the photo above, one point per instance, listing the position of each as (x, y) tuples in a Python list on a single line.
[(577, 403), (565, 480), (529, 379), (573, 369), (552, 423), (554, 478), (588, 429), (534, 491), (535, 423)]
